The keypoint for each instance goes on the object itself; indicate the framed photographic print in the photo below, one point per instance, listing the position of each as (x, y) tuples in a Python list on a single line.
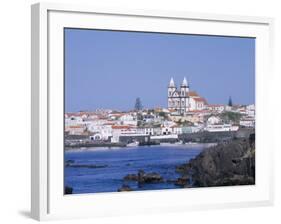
[(148, 111)]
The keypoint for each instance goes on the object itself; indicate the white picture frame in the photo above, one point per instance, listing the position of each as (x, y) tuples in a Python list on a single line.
[(48, 201)]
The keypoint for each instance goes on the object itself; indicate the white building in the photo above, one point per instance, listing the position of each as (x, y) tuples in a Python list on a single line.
[(128, 119), (213, 120), (247, 122), (250, 110), (75, 129), (125, 130), (104, 131), (73, 120), (221, 127), (218, 108), (183, 100)]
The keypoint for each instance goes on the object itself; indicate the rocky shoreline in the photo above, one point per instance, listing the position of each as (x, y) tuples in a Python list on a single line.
[(140, 178), (224, 164), (227, 164), (78, 142)]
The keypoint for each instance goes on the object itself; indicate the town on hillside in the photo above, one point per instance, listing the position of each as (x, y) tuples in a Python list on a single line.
[(187, 118)]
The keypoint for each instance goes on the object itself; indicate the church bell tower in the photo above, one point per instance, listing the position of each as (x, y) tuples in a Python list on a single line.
[(171, 90)]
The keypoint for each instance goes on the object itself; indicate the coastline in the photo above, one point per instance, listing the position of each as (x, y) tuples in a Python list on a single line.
[(101, 148), (72, 142), (226, 164), (95, 170), (216, 164)]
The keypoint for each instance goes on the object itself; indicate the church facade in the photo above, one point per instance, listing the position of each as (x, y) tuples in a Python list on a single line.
[(182, 100)]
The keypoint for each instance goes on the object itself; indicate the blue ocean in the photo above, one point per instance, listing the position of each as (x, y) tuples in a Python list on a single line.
[(113, 164)]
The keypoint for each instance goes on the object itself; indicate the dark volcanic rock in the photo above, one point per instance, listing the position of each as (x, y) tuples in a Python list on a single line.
[(183, 168), (124, 188), (131, 177), (143, 177), (182, 181), (150, 178), (231, 163), (171, 181), (236, 180), (68, 190)]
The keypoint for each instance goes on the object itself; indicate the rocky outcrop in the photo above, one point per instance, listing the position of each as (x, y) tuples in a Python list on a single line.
[(183, 181), (131, 177), (124, 188), (231, 163), (219, 136), (143, 177), (68, 190)]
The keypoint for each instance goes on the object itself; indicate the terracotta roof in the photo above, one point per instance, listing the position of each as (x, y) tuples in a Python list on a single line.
[(192, 93), (100, 117), (200, 99), (215, 105), (199, 111), (76, 126), (117, 115), (120, 127), (172, 110), (80, 113), (72, 114), (174, 126)]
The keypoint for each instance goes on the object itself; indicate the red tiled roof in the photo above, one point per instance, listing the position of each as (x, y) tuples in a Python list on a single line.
[(199, 111), (72, 114), (80, 113), (215, 105), (76, 126), (192, 93), (117, 115), (172, 110), (200, 99), (120, 127), (174, 126)]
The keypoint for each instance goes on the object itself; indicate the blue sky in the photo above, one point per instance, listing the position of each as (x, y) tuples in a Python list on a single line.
[(110, 69)]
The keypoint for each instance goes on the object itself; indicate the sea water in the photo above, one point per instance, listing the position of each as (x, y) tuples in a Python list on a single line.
[(119, 162)]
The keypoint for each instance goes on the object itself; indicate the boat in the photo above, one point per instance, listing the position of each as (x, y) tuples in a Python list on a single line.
[(180, 142), (133, 144)]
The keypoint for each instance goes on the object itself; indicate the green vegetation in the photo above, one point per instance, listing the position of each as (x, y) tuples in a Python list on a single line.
[(150, 111), (230, 117), (184, 123), (163, 114)]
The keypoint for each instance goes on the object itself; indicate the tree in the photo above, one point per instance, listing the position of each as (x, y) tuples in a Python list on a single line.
[(163, 115), (230, 117), (138, 104), (230, 102)]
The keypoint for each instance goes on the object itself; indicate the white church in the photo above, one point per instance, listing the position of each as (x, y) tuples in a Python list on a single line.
[(182, 100)]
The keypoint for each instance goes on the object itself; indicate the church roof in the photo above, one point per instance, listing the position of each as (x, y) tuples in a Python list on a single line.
[(215, 105), (172, 83), (193, 94), (200, 99), (184, 82)]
